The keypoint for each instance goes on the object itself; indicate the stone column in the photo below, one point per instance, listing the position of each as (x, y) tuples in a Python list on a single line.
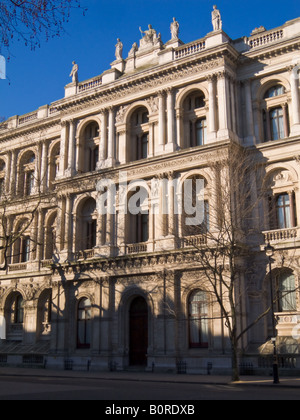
[(171, 209), (179, 125), (292, 208), (103, 141), (63, 149), (111, 148), (233, 106), (71, 149), (285, 120), (224, 112), (151, 139), (40, 235), (161, 123), (13, 173), (109, 219), (249, 138), (171, 145), (8, 172), (212, 126), (68, 220), (294, 79), (37, 173), (44, 162)]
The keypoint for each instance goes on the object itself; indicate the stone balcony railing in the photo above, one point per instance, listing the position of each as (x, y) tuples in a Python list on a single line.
[(278, 235), (194, 241), (190, 49), (17, 267), (265, 38), (136, 248)]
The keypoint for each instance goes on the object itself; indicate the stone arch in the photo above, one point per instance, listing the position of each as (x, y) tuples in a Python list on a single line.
[(53, 162), (50, 234), (85, 217), (127, 298), (269, 81), (185, 92), (88, 146), (133, 107), (137, 131)]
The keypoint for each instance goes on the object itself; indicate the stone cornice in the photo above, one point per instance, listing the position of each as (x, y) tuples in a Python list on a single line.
[(28, 129), (151, 79), (272, 50)]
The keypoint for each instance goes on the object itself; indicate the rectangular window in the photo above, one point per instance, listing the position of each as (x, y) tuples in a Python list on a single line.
[(283, 212), (277, 124)]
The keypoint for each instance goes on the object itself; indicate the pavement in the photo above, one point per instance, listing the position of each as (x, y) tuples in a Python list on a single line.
[(286, 382)]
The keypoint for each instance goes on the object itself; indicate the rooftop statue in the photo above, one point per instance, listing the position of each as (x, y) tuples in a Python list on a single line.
[(150, 37), (119, 50), (216, 19), (174, 29), (133, 50), (74, 72)]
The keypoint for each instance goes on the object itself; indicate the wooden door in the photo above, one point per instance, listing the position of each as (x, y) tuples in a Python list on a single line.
[(138, 331)]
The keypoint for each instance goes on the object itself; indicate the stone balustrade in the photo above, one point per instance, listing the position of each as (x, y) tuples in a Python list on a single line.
[(190, 49), (281, 235), (265, 38)]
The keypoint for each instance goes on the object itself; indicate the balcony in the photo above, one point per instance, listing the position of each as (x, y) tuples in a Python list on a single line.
[(195, 241), (137, 248), (17, 267), (282, 235)]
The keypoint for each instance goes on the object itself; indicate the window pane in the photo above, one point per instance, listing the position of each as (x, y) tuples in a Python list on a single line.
[(287, 293), (277, 124), (283, 211), (200, 132), (198, 311)]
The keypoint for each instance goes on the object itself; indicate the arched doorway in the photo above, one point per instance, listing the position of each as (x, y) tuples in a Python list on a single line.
[(138, 332)]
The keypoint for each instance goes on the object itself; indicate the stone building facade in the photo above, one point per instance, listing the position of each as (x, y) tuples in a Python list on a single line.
[(115, 290)]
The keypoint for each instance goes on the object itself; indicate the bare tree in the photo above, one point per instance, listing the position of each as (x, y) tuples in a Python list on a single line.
[(224, 249), (29, 20)]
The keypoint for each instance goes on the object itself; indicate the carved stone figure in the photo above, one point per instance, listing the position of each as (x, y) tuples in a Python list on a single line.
[(149, 36), (74, 72), (133, 50), (216, 19), (174, 29), (119, 50)]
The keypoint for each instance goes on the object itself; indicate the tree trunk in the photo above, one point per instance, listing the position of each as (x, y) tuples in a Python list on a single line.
[(234, 358)]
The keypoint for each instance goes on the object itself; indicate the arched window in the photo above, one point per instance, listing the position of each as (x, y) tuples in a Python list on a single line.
[(44, 314), (286, 290), (22, 248), (275, 114), (18, 310), (50, 237), (139, 134), (27, 174), (88, 225), (282, 211), (195, 125), (54, 164), (195, 206), (89, 150), (275, 91), (138, 217), (84, 316), (198, 319)]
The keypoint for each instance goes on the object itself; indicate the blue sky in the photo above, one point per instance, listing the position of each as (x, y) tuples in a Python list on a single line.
[(36, 78)]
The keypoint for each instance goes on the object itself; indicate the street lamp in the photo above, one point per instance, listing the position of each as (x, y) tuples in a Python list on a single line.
[(269, 253)]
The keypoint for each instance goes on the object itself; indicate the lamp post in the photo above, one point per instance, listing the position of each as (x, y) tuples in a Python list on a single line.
[(269, 253)]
